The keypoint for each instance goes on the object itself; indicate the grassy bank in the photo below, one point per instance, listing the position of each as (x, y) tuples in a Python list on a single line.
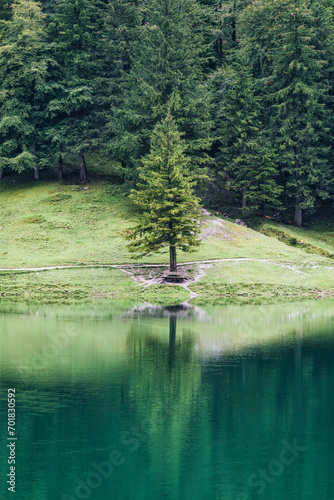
[(50, 224)]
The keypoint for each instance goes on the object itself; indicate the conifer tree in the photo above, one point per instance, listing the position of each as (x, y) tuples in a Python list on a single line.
[(122, 28), (24, 66), (170, 209), (256, 25), (302, 121), (228, 28), (79, 109), (166, 73), (291, 45), (246, 160), (329, 5), (225, 24)]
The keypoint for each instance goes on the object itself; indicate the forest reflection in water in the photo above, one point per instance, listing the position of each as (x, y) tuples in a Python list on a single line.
[(183, 402)]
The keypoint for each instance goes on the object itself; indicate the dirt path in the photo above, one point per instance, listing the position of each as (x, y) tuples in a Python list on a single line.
[(132, 266), (148, 274)]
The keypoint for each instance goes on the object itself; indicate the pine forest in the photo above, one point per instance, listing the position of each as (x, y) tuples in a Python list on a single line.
[(247, 86)]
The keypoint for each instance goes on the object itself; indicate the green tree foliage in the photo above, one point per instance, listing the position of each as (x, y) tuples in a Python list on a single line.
[(255, 26), (246, 159), (5, 10), (101, 74), (80, 45), (228, 27), (223, 18), (166, 74), (24, 66), (302, 120), (329, 5), (291, 45), (123, 25), (170, 209), (48, 6)]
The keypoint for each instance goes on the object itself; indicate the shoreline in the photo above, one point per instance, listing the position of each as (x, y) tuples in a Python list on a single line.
[(208, 282)]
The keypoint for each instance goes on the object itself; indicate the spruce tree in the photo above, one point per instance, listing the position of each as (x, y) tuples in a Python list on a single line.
[(329, 5), (80, 46), (291, 45), (223, 18), (122, 28), (229, 13), (170, 209), (246, 160), (299, 93), (166, 74), (257, 27), (25, 89)]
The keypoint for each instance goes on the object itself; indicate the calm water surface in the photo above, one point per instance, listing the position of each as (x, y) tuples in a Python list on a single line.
[(146, 403)]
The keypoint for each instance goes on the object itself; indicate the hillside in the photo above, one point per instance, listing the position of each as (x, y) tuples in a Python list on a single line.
[(51, 224)]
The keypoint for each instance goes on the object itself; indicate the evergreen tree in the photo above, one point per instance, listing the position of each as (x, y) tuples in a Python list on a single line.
[(329, 5), (77, 28), (257, 32), (170, 209), (48, 7), (246, 159), (166, 74), (229, 13), (291, 45), (302, 121), (224, 23), (123, 26), (24, 66)]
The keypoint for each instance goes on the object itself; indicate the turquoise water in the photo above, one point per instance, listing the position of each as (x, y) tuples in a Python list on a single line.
[(149, 403)]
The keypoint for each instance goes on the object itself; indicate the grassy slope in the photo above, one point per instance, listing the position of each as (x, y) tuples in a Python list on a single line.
[(45, 224)]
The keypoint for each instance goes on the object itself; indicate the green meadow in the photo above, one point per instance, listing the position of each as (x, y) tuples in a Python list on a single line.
[(48, 224)]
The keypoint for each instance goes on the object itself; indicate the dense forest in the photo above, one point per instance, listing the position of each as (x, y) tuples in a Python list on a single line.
[(247, 84)]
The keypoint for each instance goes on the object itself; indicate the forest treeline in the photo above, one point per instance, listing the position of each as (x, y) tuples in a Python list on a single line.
[(249, 85)]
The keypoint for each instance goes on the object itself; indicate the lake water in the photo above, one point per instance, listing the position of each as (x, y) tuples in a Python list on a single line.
[(146, 403)]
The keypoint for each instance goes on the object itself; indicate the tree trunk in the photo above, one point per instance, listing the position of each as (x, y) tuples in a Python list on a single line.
[(234, 30), (2, 173), (264, 209), (172, 258), (172, 337), (220, 48), (36, 169), (234, 23), (60, 168), (83, 168), (244, 201), (298, 220), (124, 167)]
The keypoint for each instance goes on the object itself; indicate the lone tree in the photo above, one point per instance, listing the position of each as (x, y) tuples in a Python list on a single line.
[(170, 209)]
